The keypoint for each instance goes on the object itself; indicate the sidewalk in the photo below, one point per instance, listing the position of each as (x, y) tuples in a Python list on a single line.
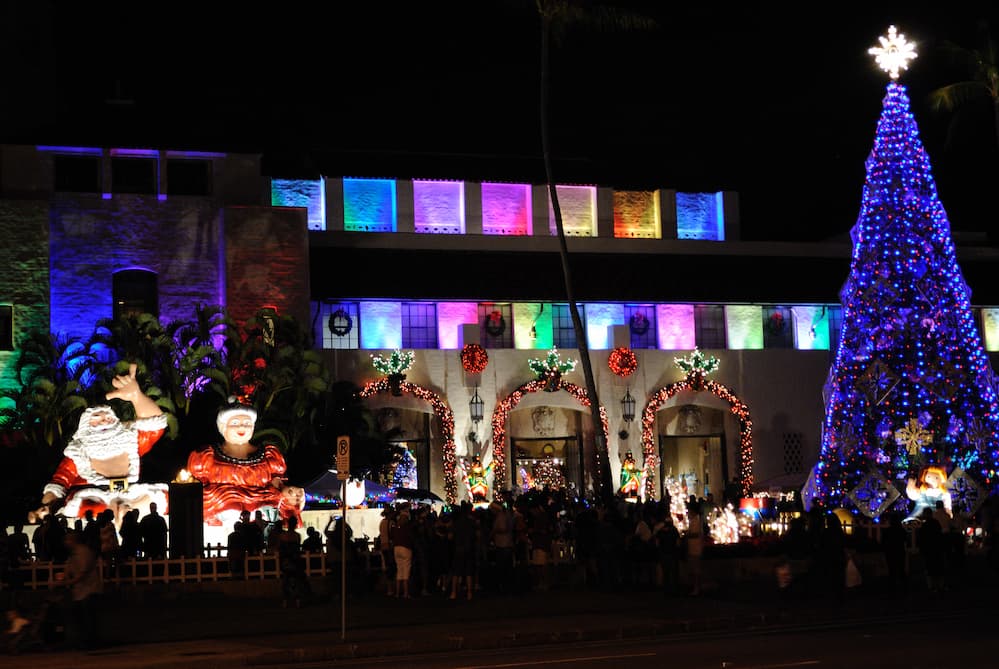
[(162, 629)]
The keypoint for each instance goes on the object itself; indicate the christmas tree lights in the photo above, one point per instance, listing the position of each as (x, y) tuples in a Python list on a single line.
[(443, 413), (910, 386)]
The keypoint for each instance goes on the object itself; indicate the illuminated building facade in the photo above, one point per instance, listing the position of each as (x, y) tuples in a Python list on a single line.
[(429, 265)]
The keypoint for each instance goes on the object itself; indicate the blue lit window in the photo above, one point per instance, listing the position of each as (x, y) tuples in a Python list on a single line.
[(419, 325)]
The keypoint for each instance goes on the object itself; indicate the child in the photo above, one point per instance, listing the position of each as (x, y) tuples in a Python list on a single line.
[(16, 633)]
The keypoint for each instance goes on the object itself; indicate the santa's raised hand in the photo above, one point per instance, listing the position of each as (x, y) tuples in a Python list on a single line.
[(127, 389)]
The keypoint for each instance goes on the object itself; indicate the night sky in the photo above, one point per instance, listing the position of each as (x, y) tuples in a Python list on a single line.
[(778, 104)]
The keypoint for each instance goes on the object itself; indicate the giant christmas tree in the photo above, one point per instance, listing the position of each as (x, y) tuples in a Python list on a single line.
[(911, 388)]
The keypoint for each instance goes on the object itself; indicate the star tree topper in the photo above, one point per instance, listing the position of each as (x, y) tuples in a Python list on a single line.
[(894, 53)]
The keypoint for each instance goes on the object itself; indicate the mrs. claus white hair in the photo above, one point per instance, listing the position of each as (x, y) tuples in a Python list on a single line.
[(233, 409)]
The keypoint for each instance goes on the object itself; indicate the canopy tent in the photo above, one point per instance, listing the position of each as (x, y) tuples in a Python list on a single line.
[(326, 489)]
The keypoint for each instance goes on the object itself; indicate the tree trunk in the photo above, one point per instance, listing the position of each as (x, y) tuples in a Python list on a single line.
[(600, 438)]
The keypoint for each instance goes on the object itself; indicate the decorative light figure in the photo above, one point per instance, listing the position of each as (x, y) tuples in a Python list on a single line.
[(894, 53)]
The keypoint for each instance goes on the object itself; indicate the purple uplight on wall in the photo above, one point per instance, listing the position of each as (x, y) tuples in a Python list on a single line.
[(506, 209), (439, 207)]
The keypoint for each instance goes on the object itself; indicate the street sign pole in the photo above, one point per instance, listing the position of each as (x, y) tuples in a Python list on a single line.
[(343, 473)]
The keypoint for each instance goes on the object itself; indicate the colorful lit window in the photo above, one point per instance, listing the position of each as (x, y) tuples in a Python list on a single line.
[(578, 205), (382, 325), (636, 214), (506, 209), (778, 331), (369, 205), (744, 326), (563, 332), (496, 321), (641, 321), (676, 326), (811, 327), (341, 324), (439, 207), (700, 216), (990, 326), (307, 193), (419, 325), (709, 325)]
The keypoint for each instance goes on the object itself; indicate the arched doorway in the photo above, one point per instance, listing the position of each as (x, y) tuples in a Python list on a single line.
[(443, 413), (502, 413), (694, 381)]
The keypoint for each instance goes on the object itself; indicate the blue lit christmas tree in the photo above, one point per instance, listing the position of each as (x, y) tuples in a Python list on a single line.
[(911, 387)]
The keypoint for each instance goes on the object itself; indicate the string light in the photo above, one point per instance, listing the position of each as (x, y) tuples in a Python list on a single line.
[(503, 408), (911, 385), (696, 382), (443, 413)]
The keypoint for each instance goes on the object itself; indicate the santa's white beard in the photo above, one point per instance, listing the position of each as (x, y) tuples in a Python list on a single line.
[(101, 443)]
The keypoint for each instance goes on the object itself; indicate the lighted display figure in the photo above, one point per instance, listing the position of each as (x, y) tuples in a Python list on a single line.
[(930, 488), (476, 478), (238, 476), (404, 468), (910, 386), (100, 465), (631, 476)]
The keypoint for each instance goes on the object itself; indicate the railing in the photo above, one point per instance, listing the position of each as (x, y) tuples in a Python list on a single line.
[(213, 566)]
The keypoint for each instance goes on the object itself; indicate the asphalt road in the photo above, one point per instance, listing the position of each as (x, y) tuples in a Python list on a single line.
[(919, 639)]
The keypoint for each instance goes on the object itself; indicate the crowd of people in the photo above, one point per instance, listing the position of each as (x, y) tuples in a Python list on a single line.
[(502, 547)]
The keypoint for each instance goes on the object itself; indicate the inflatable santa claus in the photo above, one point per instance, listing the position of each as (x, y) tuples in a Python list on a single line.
[(100, 465)]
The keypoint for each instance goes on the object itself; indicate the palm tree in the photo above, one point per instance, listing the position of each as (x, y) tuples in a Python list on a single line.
[(140, 338), (54, 372), (983, 67), (199, 350), (556, 16), (273, 366)]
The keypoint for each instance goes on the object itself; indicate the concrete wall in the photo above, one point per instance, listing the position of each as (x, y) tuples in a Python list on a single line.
[(266, 261)]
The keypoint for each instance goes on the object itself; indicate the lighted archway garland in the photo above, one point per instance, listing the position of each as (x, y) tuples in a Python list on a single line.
[(502, 412), (695, 381), (446, 416)]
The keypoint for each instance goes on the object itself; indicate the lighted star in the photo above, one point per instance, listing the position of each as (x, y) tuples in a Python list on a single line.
[(913, 436), (894, 53)]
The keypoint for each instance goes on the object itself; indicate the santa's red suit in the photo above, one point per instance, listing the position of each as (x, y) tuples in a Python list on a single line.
[(84, 483)]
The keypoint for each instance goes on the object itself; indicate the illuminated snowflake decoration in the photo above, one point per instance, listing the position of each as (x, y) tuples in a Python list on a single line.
[(913, 436), (894, 53), (697, 363), (397, 363), (874, 494), (965, 493), (552, 364)]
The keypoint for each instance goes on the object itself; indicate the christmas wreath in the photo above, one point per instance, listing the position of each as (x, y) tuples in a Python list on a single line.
[(495, 323), (639, 323), (340, 323), (474, 358), (622, 361), (776, 323)]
